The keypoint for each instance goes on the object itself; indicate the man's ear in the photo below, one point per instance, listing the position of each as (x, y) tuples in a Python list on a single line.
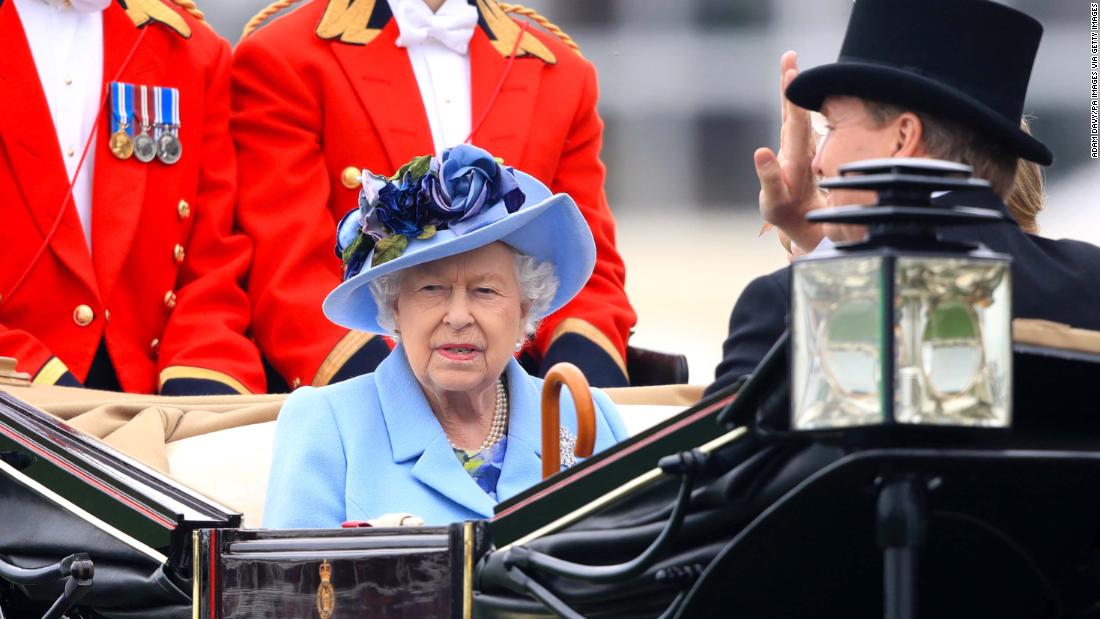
[(909, 136)]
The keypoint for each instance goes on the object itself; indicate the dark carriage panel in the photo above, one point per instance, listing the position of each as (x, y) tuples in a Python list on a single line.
[(127, 494), (401, 573), (1010, 533), (63, 493)]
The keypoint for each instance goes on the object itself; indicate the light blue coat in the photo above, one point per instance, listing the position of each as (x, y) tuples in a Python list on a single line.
[(371, 445)]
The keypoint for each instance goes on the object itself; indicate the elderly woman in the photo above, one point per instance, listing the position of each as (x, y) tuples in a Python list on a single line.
[(457, 259)]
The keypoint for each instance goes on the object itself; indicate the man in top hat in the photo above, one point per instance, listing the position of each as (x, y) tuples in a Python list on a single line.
[(335, 87), (117, 176), (942, 79)]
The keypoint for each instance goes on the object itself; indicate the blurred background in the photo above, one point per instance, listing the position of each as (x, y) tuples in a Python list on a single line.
[(689, 88)]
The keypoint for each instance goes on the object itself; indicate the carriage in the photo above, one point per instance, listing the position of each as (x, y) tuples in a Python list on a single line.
[(739, 502), (703, 510)]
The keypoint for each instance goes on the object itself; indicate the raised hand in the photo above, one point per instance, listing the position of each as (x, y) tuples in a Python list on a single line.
[(788, 187)]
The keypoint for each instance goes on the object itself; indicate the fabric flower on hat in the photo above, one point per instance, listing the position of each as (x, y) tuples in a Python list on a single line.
[(466, 180), (352, 246), (462, 190), (360, 228), (371, 184)]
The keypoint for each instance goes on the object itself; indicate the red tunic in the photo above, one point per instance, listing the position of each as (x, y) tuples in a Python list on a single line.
[(163, 282), (307, 109)]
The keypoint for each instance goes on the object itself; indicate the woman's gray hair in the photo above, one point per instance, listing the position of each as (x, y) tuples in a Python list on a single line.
[(537, 286)]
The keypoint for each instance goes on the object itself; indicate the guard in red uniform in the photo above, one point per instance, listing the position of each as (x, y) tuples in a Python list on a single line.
[(117, 179), (335, 87)]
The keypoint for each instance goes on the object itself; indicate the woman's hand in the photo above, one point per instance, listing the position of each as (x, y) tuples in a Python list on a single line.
[(788, 188), (400, 519)]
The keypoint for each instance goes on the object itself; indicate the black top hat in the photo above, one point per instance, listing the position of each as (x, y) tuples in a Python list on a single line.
[(965, 60)]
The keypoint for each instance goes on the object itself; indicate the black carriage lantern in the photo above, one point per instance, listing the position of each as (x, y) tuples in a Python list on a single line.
[(903, 329)]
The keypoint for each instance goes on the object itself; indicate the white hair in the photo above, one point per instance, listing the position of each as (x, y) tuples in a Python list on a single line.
[(537, 286)]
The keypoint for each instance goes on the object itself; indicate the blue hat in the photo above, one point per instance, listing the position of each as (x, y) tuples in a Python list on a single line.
[(438, 207)]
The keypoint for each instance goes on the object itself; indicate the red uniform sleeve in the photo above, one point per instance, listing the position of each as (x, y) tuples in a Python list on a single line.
[(283, 207), (31, 355), (601, 308), (205, 338)]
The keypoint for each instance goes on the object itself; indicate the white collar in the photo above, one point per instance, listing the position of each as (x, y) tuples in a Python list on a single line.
[(452, 25), (79, 6)]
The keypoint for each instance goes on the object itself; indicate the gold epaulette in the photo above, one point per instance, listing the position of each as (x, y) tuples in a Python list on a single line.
[(144, 11), (504, 30)]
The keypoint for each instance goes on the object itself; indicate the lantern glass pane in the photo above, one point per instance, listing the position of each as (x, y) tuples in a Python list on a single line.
[(836, 317), (954, 341)]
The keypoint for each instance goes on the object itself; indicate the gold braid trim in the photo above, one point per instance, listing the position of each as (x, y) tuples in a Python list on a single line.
[(504, 32), (344, 350), (589, 332), (262, 16), (144, 11), (193, 10), (51, 372), (548, 25), (185, 372), (348, 22)]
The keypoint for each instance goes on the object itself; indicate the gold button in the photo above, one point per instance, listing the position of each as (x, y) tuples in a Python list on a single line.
[(154, 345), (71, 152), (106, 315), (68, 80), (297, 382), (184, 209), (83, 315), (178, 253), (169, 299), (350, 177)]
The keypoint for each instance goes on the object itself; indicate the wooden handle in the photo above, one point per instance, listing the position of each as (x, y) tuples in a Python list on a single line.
[(571, 376)]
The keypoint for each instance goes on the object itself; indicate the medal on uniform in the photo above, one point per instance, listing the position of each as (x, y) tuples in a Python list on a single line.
[(122, 113), (169, 148), (145, 148)]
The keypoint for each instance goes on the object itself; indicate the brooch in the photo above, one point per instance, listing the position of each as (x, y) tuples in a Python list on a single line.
[(568, 448)]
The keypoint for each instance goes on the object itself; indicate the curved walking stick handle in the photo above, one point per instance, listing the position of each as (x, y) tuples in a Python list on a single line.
[(571, 376)]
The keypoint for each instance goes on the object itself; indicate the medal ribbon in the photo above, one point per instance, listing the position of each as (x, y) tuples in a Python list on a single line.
[(168, 109), (143, 110), (174, 95), (158, 125), (122, 107)]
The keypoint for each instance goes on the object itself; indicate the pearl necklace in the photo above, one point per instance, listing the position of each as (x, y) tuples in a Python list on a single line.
[(500, 420)]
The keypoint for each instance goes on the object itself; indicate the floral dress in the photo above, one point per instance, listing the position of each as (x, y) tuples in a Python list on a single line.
[(484, 466)]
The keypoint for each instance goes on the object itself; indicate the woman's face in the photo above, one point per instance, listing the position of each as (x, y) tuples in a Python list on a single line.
[(459, 319)]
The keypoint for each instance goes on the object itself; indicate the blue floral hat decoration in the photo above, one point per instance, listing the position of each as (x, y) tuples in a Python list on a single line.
[(435, 207)]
